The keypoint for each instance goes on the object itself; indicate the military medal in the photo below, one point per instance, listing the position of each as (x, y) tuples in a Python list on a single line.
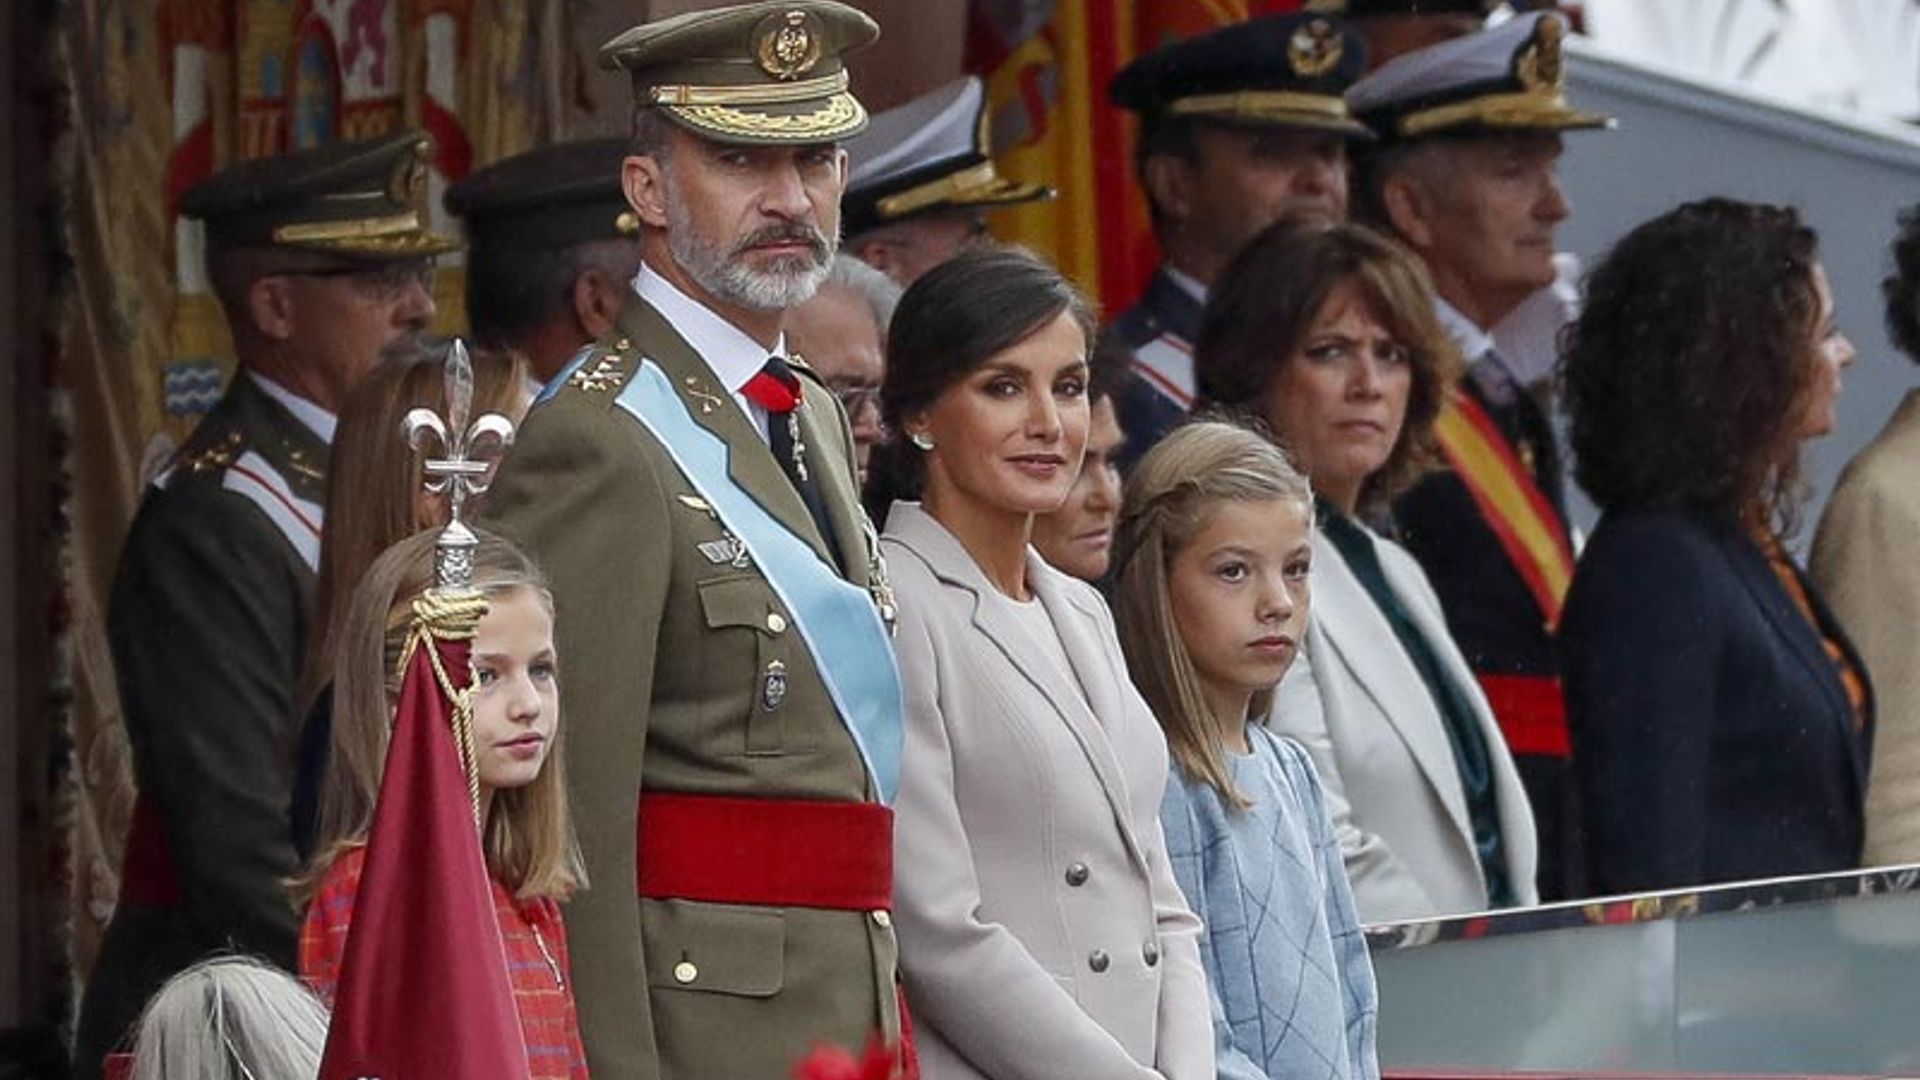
[(773, 688), (729, 550), (799, 446)]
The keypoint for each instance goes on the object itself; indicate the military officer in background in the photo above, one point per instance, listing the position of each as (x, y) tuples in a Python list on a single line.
[(1466, 175), (551, 250), (732, 700), (923, 182), (1237, 127), (842, 333), (319, 259)]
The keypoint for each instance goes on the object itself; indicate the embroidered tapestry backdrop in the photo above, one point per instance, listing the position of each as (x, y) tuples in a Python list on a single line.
[(161, 95)]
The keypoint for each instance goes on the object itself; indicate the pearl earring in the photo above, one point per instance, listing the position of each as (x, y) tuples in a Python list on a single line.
[(921, 439)]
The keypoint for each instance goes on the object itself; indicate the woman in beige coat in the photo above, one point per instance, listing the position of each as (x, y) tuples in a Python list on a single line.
[(1041, 932)]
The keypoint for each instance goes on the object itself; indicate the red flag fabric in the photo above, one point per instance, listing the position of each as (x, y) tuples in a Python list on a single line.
[(423, 991)]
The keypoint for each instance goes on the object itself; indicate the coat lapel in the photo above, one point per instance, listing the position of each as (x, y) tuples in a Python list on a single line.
[(1750, 565), (749, 462), (949, 561), (836, 478), (1354, 627)]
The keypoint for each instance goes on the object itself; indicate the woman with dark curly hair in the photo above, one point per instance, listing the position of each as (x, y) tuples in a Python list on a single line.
[(1326, 333), (1863, 562), (1719, 715)]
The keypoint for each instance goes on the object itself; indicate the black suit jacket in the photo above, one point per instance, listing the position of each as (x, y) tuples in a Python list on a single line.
[(1713, 739)]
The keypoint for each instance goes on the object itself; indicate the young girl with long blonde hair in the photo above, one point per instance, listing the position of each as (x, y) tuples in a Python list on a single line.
[(527, 837), (1212, 555)]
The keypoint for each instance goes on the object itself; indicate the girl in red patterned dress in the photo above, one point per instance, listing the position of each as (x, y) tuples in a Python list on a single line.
[(528, 839)]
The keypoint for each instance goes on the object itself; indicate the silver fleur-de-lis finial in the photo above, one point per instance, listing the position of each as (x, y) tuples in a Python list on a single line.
[(464, 467)]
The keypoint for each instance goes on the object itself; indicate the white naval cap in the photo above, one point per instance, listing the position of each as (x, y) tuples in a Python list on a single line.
[(927, 155), (1508, 78)]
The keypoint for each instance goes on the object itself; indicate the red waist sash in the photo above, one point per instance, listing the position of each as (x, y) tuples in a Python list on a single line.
[(147, 877), (1532, 713), (769, 852)]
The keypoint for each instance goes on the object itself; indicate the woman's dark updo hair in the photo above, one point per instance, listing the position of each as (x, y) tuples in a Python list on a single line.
[(1684, 374), (953, 319), (1901, 289)]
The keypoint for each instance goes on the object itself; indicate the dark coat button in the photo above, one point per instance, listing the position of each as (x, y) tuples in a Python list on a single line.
[(1077, 874), (1150, 952), (1099, 961)]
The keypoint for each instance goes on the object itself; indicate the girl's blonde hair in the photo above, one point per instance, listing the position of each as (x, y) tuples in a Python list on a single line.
[(1169, 497), (231, 1016), (529, 839)]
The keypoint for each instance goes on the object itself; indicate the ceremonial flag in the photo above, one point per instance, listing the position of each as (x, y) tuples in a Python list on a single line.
[(424, 992)]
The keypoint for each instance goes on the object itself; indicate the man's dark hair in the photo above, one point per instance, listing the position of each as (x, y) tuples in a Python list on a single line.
[(1901, 289), (512, 291)]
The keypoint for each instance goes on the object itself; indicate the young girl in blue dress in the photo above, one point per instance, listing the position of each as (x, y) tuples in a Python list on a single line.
[(1212, 555)]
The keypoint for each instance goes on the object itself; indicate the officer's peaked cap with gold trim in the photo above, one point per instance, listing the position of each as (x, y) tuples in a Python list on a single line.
[(363, 199), (1511, 77), (1286, 71), (928, 155), (754, 74), (547, 198)]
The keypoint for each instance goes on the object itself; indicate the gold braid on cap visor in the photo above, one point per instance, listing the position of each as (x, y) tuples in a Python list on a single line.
[(1261, 103), (786, 93), (1525, 109), (839, 115)]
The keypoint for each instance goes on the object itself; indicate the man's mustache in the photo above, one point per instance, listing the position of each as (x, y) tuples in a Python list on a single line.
[(790, 233)]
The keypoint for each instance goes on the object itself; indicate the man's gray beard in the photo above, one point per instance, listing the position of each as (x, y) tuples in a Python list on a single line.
[(791, 282)]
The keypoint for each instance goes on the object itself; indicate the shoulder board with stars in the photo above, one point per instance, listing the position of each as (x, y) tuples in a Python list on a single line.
[(606, 371)]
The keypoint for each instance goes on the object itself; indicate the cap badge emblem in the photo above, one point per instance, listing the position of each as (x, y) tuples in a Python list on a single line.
[(1539, 68), (787, 44), (1314, 49), (407, 184)]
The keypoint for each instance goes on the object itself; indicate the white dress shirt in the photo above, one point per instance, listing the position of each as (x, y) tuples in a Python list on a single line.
[(318, 420), (734, 356)]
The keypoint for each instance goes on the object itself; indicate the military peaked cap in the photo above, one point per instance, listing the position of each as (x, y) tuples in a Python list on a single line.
[(1509, 78), (552, 197), (363, 198), (928, 155), (1275, 71), (757, 74)]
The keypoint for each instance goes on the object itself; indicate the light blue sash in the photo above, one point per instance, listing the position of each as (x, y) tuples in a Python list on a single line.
[(835, 617)]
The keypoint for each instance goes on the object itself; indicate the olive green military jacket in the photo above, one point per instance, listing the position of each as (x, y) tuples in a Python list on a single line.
[(208, 622), (664, 645)]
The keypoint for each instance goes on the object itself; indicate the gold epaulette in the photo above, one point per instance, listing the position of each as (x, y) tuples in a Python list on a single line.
[(606, 369), (219, 454)]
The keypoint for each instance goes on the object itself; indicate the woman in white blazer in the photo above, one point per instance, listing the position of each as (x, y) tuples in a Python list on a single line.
[(1042, 934), (1348, 366)]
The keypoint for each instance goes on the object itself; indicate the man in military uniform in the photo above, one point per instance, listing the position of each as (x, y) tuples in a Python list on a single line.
[(732, 701), (923, 182), (320, 259), (1238, 126), (1466, 176), (551, 248)]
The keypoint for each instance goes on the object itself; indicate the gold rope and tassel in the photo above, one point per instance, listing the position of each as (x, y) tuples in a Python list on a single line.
[(451, 615)]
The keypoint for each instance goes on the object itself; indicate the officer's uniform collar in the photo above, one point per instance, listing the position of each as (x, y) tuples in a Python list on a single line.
[(1187, 282), (311, 416), (734, 356)]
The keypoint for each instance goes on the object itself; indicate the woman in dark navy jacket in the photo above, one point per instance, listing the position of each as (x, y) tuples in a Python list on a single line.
[(1720, 718)]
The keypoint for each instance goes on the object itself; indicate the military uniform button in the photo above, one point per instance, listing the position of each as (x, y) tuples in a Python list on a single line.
[(685, 972), (776, 622), (1150, 952), (882, 920), (1099, 961), (1077, 874)]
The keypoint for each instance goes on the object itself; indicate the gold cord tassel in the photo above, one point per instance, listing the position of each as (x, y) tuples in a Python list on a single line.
[(451, 615)]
